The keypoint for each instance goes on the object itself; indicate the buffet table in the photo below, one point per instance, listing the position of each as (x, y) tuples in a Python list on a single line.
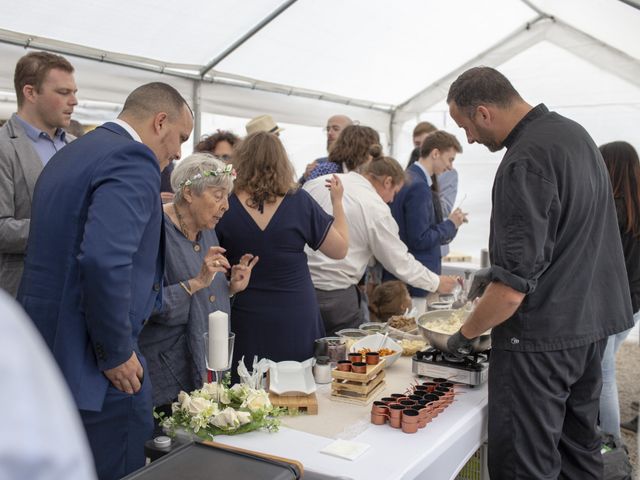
[(437, 452)]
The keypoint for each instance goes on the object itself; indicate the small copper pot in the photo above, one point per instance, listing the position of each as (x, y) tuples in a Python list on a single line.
[(410, 420), (373, 358), (344, 366), (379, 419), (379, 408), (430, 386), (359, 367), (395, 411), (354, 357)]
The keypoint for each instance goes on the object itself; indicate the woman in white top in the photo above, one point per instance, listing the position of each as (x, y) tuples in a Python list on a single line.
[(373, 233)]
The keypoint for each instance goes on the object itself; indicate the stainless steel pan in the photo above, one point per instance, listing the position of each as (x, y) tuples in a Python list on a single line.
[(439, 340)]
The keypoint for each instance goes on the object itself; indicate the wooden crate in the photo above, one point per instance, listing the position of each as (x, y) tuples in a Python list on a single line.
[(358, 388), (358, 398), (306, 403)]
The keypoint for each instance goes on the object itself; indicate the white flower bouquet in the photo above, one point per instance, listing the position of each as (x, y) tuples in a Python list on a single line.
[(217, 409)]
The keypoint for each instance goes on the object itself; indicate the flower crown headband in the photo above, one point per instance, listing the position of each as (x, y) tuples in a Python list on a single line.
[(226, 170)]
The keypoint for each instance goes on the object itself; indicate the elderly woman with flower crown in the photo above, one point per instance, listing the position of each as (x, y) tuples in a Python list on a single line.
[(195, 283)]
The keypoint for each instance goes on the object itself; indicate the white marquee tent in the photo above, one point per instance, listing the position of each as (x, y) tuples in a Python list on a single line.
[(386, 64)]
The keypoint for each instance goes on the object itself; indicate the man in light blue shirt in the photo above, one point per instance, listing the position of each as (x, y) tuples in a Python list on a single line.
[(46, 94)]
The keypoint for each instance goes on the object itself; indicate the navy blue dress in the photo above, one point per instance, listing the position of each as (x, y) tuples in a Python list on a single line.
[(277, 316)]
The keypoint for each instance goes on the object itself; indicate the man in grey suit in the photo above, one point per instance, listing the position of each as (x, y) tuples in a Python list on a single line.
[(46, 94)]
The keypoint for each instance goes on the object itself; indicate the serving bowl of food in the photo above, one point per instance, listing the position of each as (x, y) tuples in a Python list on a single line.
[(439, 325), (388, 348)]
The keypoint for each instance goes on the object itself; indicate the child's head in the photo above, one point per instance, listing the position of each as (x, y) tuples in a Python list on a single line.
[(388, 299)]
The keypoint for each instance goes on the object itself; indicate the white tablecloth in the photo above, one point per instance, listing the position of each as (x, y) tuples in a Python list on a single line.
[(436, 452)]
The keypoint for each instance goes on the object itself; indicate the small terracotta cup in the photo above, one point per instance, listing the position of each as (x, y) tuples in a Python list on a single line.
[(410, 420), (423, 415), (397, 395), (354, 357), (378, 419), (379, 408), (440, 380), (388, 400), (421, 388), (373, 358), (415, 398), (344, 366), (430, 386), (395, 415), (359, 367), (407, 403)]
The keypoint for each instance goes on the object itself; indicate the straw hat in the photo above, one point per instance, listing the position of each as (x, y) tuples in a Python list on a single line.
[(262, 123)]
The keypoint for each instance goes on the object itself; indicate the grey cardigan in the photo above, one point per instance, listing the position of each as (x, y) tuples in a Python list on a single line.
[(172, 340)]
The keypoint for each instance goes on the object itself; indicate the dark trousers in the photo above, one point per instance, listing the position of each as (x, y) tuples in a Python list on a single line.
[(543, 413), (340, 309), (118, 432)]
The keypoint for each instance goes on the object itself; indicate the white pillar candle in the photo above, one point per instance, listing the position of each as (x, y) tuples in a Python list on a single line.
[(218, 347)]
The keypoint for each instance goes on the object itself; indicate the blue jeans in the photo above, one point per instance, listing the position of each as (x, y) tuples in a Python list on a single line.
[(609, 406)]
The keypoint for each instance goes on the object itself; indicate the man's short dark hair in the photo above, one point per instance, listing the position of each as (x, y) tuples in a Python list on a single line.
[(32, 69), (481, 85), (153, 98), (423, 127), (442, 141)]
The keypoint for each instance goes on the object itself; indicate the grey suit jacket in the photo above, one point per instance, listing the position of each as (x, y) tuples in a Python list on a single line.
[(20, 167)]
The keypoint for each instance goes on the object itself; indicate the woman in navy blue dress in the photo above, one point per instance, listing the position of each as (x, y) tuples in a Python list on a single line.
[(277, 316)]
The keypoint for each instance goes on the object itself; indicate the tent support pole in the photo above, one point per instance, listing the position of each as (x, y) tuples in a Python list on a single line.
[(238, 43), (197, 112)]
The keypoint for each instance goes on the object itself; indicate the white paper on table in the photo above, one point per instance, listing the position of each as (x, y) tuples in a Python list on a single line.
[(345, 449), (218, 348)]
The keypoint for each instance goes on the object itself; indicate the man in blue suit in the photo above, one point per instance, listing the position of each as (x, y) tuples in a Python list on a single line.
[(94, 266), (421, 225)]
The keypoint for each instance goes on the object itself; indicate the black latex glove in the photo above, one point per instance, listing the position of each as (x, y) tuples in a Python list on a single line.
[(459, 345), (481, 278)]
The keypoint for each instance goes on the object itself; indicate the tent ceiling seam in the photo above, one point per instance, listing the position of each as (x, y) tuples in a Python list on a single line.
[(148, 65), (245, 37), (515, 34)]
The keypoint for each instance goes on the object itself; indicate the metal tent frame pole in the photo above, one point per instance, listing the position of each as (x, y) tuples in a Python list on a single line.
[(238, 43)]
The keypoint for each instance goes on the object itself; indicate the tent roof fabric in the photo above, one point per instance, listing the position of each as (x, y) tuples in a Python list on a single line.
[(345, 52)]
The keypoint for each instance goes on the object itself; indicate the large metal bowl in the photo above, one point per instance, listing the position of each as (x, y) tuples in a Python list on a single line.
[(439, 340)]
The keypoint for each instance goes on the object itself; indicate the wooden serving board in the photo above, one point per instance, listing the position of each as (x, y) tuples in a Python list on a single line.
[(308, 403)]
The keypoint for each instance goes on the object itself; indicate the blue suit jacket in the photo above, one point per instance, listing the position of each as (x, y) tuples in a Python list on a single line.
[(413, 210), (94, 263)]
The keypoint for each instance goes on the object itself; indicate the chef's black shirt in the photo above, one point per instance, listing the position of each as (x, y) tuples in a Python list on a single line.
[(554, 236)]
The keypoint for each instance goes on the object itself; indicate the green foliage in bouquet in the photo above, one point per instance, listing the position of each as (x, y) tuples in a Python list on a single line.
[(217, 409)]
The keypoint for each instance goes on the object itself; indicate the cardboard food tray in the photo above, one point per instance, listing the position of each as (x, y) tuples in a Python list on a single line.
[(204, 461)]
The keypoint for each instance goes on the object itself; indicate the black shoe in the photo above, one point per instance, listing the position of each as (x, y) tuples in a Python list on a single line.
[(631, 425)]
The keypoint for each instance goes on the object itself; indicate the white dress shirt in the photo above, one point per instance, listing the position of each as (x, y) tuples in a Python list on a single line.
[(373, 232), (42, 435)]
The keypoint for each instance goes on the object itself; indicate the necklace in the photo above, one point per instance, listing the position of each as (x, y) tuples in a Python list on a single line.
[(183, 226)]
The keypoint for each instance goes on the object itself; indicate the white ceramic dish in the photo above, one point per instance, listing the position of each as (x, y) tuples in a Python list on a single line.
[(374, 342), (289, 377)]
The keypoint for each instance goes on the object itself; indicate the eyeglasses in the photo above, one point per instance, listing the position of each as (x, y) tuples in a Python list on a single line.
[(225, 158)]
